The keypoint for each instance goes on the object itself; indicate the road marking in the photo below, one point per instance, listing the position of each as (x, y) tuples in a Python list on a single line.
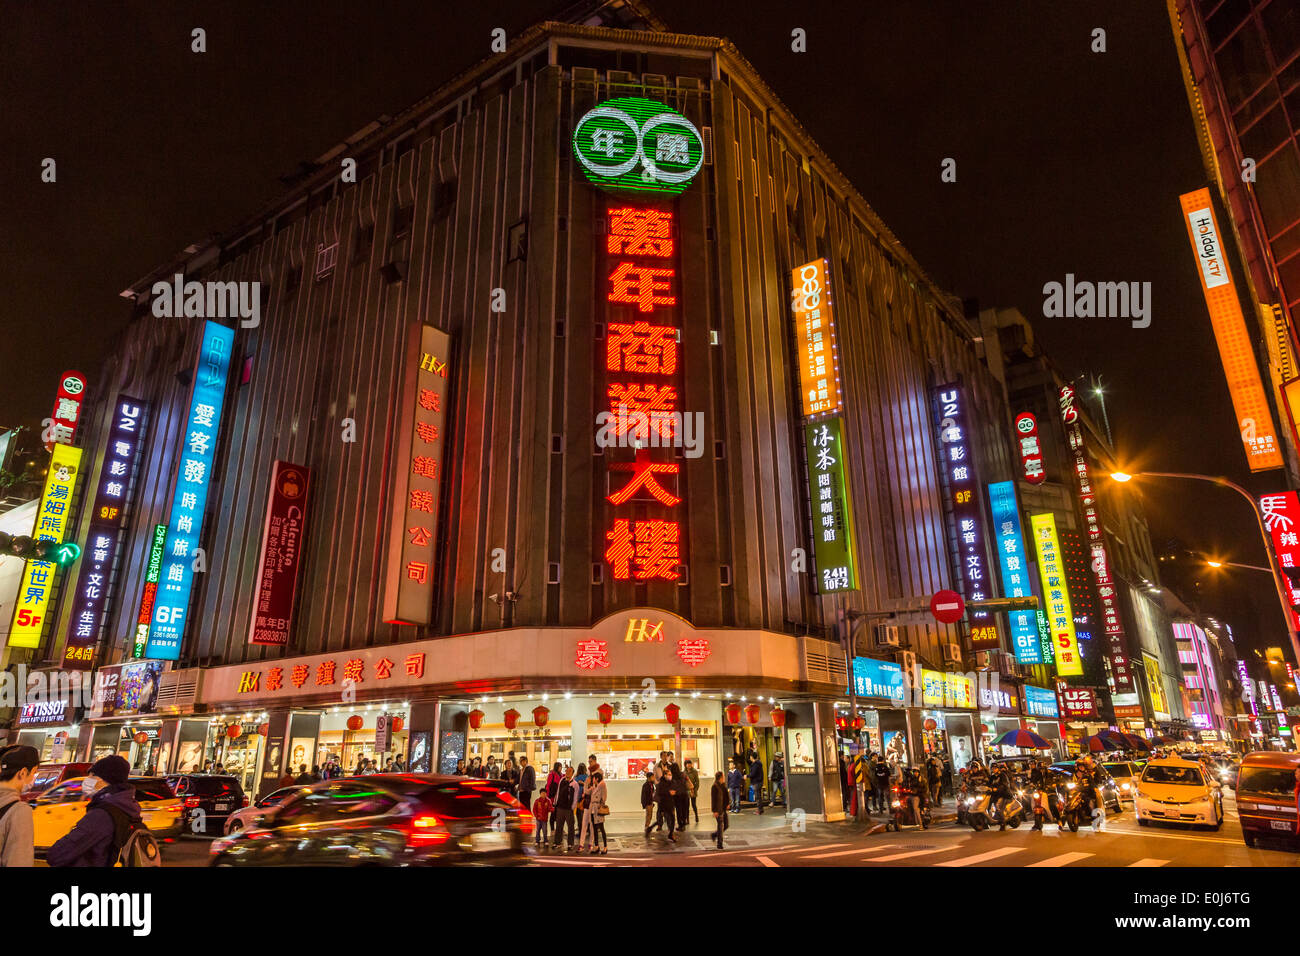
[(576, 862), (1065, 859), (981, 857), (824, 846), (1148, 861), (1150, 832), (766, 862), (904, 856), (784, 848), (856, 849)]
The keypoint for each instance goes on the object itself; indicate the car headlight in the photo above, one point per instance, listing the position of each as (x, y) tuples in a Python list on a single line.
[(1069, 786), (1126, 786)]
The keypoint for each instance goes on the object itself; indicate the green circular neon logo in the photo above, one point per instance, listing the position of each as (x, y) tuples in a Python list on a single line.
[(633, 144)]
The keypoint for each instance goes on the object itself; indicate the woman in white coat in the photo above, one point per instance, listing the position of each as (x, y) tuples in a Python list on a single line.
[(593, 819)]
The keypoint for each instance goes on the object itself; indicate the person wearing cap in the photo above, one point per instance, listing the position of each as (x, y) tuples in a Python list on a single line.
[(17, 767), (92, 842)]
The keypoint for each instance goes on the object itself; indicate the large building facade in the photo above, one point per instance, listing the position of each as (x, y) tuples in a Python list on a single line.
[(427, 442)]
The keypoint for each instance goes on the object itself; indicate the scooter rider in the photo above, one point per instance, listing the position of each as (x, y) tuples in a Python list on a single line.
[(1084, 780), (1039, 780), (912, 795), (1000, 785)]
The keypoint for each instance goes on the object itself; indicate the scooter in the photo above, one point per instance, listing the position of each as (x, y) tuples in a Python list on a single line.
[(982, 810), (1078, 806), (1047, 804), (903, 815)]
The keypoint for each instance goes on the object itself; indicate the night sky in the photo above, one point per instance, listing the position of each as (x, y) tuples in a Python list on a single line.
[(1068, 161)]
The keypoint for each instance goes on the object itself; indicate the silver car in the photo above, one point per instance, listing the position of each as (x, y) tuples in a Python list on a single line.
[(251, 816)]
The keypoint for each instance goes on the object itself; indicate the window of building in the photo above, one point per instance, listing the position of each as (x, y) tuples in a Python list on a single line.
[(1242, 65), (1281, 20)]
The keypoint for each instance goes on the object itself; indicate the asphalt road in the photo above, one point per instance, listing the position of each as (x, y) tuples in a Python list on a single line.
[(1122, 843)]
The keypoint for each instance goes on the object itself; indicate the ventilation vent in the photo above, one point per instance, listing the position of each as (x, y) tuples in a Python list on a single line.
[(825, 667), (178, 690)]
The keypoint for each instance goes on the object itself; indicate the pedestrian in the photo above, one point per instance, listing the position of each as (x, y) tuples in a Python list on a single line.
[(776, 778), (112, 812), (315, 773), (648, 800), (527, 781), (542, 807), (735, 781), (682, 799), (460, 767), (719, 797), (510, 774), (666, 797), (553, 781), (584, 808), (756, 781), (490, 769), (693, 781), (580, 777), (593, 821), (361, 766), (287, 778), (947, 775), (933, 777), (881, 775), (566, 793), (303, 777), (399, 765), (17, 832)]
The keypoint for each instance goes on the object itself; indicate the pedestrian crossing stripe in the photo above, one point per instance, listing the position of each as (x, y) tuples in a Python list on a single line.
[(1065, 859), (981, 857), (1149, 862)]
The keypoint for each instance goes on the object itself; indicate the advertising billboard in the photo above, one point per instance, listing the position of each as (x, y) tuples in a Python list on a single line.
[(1236, 351), (52, 520), (194, 476), (281, 555), (1040, 702), (814, 330), (1016, 577), (1281, 514), (882, 679), (1056, 596), (832, 512)]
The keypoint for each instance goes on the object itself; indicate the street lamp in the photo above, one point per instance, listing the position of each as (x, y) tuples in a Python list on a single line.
[(1234, 564), (1279, 583)]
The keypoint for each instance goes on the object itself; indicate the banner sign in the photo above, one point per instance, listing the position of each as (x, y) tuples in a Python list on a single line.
[(1281, 513), (121, 452), (1236, 352), (277, 568), (125, 690), (417, 484), (1077, 703), (957, 464), (1005, 515), (1155, 687), (1040, 702), (873, 678), (947, 690), (637, 145), (149, 594), (832, 511), (814, 329), (1056, 595), (194, 476), (52, 521), (67, 409), (1031, 455)]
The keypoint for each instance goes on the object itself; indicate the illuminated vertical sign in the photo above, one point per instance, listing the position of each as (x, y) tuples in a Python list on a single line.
[(67, 410), (52, 520), (832, 513), (641, 386), (1121, 669), (98, 558), (1236, 353), (1056, 596), (419, 471), (1155, 687), (280, 561), (1281, 513), (814, 329), (1031, 453), (193, 478), (1015, 569), (957, 464), (149, 594)]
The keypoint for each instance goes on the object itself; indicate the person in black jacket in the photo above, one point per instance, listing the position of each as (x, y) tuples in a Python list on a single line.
[(527, 782), (666, 795), (880, 782), (648, 801), (1000, 785), (756, 781), (720, 799), (565, 796), (111, 811)]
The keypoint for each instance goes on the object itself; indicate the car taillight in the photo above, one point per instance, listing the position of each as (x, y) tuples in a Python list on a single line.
[(526, 822), (191, 801), (245, 803), (426, 830)]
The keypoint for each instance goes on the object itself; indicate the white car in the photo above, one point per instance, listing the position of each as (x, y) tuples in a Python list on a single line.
[(1176, 791), (1125, 774), (251, 816)]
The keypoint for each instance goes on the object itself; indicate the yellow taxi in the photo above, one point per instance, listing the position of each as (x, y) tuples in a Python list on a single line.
[(56, 811)]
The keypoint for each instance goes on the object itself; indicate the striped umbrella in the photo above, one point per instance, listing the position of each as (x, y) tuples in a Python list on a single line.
[(1025, 739), (1106, 740), (1135, 742)]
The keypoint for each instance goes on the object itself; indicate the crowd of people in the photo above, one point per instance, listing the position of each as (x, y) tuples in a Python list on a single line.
[(927, 784)]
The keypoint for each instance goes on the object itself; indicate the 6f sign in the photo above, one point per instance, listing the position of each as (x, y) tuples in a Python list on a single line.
[(633, 144)]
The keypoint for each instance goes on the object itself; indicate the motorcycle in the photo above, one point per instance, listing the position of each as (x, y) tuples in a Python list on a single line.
[(1078, 806), (1047, 804), (982, 810), (903, 815)]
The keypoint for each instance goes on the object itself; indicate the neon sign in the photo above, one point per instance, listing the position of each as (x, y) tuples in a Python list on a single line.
[(819, 362), (149, 594), (1056, 595), (1015, 569), (832, 512), (51, 522), (1031, 454), (632, 144)]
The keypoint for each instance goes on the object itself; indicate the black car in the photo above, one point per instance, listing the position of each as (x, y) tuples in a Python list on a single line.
[(217, 796), (386, 820)]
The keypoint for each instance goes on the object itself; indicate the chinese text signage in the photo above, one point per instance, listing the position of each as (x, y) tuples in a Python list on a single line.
[(52, 519), (631, 144), (1076, 703), (1015, 569), (814, 329), (1056, 597), (873, 678), (1281, 514), (1040, 702), (67, 409), (1031, 455), (832, 513), (149, 593), (282, 541)]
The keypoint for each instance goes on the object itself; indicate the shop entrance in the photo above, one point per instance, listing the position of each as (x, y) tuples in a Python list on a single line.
[(741, 742)]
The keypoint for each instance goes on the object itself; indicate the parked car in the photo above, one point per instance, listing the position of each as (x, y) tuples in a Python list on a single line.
[(253, 815), (1110, 790), (216, 795), (1266, 797), (49, 775), (386, 820), (59, 809), (1178, 791), (1125, 773)]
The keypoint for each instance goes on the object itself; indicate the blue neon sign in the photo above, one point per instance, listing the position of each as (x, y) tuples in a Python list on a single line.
[(1015, 570), (194, 475), (1040, 702), (873, 678)]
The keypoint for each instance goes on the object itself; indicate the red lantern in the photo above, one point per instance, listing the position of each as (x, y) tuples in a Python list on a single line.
[(141, 737), (476, 718), (234, 730), (778, 716), (751, 713), (605, 712), (397, 723), (984, 728), (541, 715), (842, 723), (511, 717), (859, 722), (672, 712), (356, 722), (930, 723), (733, 713), (264, 729)]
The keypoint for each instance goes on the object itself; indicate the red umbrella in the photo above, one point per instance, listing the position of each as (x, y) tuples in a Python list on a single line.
[(1135, 742), (1099, 743)]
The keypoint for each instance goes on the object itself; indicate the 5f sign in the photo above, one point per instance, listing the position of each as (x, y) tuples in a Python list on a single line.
[(631, 144)]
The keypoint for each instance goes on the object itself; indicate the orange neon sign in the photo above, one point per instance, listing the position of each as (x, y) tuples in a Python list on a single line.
[(819, 364)]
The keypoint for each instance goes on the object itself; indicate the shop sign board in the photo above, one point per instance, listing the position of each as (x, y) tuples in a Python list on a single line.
[(1281, 514), (281, 556), (1031, 454), (832, 510), (149, 593), (121, 453), (635, 145), (947, 690), (880, 679), (52, 522), (1016, 576), (1056, 595), (193, 479), (1076, 703), (1040, 702), (67, 410), (814, 329), (1236, 351)]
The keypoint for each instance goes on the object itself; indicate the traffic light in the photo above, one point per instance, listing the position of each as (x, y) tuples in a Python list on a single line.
[(62, 553)]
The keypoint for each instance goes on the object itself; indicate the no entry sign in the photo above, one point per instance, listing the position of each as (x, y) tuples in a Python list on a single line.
[(947, 607)]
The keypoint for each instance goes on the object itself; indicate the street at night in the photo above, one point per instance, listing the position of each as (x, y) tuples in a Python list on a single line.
[(489, 442)]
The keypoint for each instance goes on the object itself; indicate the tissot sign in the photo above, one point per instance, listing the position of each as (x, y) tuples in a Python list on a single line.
[(632, 144)]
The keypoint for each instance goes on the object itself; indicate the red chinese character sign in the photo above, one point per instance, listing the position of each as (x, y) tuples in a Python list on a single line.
[(643, 539), (417, 482), (282, 542), (1281, 514), (1031, 454), (67, 410)]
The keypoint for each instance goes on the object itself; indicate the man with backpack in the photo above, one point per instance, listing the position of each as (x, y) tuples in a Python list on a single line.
[(111, 827), (17, 767)]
